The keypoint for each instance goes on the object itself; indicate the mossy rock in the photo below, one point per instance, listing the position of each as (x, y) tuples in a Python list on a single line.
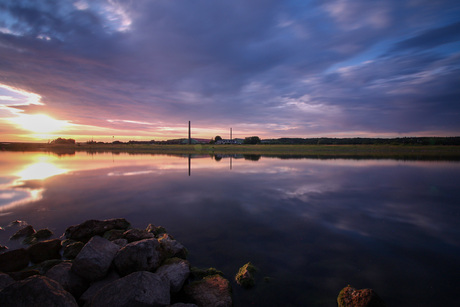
[(245, 275), (202, 273)]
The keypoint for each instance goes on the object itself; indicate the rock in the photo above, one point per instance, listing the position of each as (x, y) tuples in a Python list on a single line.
[(91, 228), (176, 271), (44, 266), (23, 274), (17, 223), (138, 256), (136, 289), (36, 291), (350, 297), (98, 285), (71, 251), (14, 260), (172, 248), (70, 281), (120, 242), (45, 250), (182, 305), (23, 232), (39, 235), (210, 291), (5, 280), (3, 248), (245, 277), (156, 230), (133, 235), (95, 258), (114, 234), (198, 273)]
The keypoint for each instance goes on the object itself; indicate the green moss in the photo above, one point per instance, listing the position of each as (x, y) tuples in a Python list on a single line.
[(245, 275)]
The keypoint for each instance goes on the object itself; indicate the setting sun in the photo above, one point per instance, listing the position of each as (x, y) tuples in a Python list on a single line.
[(40, 123)]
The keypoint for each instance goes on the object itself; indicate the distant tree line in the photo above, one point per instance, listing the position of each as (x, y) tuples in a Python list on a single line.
[(367, 141), (62, 141)]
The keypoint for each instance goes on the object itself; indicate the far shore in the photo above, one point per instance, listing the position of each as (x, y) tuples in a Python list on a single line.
[(441, 152)]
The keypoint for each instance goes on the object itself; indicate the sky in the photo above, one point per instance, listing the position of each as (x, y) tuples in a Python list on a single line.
[(109, 70)]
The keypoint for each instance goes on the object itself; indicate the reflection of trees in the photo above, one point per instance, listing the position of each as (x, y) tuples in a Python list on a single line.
[(252, 157)]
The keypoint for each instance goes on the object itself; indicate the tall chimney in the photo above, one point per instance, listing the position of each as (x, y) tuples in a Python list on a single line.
[(189, 134), (231, 138)]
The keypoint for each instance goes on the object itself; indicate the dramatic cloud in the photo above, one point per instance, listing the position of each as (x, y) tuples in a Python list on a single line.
[(269, 68)]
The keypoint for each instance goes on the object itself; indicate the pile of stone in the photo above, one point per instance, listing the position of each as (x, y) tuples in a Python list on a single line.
[(107, 263)]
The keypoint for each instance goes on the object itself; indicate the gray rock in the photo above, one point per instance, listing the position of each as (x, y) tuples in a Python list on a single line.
[(98, 285), (138, 256), (39, 235), (136, 289), (14, 260), (36, 291), (45, 250), (120, 242), (23, 232), (182, 305), (172, 248), (94, 260), (137, 234), (156, 230), (114, 234), (72, 250), (5, 280), (23, 274), (210, 291), (91, 228), (176, 272), (70, 281)]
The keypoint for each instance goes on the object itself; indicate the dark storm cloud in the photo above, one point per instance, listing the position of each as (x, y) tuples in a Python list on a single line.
[(287, 68)]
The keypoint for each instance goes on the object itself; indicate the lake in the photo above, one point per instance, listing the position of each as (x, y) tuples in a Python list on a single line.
[(310, 226)]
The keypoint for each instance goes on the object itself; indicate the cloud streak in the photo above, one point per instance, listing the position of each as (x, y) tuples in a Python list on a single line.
[(345, 68)]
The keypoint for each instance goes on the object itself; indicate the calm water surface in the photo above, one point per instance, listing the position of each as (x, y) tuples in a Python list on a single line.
[(311, 226)]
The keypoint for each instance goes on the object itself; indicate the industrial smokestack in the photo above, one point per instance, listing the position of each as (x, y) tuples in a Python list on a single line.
[(231, 138), (189, 134)]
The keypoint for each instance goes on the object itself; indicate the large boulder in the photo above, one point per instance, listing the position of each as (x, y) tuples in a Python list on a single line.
[(23, 232), (210, 291), (70, 281), (98, 285), (176, 271), (136, 289), (172, 248), (14, 260), (95, 258), (71, 250), (141, 255), (91, 228), (37, 236), (133, 235), (36, 291), (45, 250), (350, 297), (5, 280)]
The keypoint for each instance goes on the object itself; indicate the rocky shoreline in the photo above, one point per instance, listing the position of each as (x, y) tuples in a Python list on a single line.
[(108, 263)]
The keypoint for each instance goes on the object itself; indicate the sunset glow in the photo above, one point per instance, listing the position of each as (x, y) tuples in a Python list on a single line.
[(39, 123), (333, 68)]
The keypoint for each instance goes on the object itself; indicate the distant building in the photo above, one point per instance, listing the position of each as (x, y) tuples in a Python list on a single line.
[(228, 142)]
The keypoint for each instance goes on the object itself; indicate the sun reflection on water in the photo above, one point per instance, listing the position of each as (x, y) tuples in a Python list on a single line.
[(39, 171)]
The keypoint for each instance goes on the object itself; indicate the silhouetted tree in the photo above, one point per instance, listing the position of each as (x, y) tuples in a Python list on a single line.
[(252, 140)]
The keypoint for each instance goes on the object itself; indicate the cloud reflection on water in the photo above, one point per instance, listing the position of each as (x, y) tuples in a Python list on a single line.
[(340, 221)]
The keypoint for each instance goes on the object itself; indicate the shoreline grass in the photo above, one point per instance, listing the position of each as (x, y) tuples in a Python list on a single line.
[(377, 151)]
